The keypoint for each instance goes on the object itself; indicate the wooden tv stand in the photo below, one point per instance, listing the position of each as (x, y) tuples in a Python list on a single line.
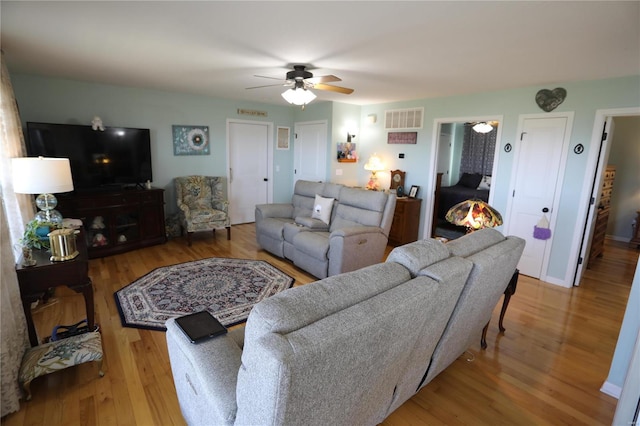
[(117, 221)]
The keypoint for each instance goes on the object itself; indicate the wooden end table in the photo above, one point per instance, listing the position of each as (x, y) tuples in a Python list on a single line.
[(34, 281)]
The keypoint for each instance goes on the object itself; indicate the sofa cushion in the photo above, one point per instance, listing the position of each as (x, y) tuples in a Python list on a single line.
[(357, 207), (311, 223), (474, 242), (303, 305), (303, 197), (314, 244), (418, 255), (331, 190), (272, 227), (322, 208), (205, 215)]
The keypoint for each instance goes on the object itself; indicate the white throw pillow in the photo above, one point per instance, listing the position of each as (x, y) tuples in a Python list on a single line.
[(322, 209), (485, 183)]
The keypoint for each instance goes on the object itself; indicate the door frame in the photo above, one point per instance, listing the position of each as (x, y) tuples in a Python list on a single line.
[(594, 169), (270, 137), (431, 183), (569, 115)]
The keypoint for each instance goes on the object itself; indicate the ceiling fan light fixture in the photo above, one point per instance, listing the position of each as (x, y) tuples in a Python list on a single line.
[(297, 96), (482, 127)]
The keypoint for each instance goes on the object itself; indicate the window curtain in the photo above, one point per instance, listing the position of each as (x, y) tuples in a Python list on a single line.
[(15, 211), (477, 151)]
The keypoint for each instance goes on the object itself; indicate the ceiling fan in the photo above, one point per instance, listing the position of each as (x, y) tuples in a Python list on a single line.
[(300, 81)]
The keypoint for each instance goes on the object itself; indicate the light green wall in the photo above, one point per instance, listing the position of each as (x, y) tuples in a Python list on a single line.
[(62, 101), (625, 197), (71, 102), (628, 334), (584, 99), (345, 117)]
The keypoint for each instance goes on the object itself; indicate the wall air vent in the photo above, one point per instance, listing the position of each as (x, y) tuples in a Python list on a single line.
[(408, 118)]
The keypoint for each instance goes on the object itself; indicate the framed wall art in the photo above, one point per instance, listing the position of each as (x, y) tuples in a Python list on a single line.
[(190, 140), (346, 152), (283, 138), (402, 137)]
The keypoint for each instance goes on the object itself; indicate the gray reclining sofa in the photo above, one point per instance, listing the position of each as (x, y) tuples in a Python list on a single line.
[(355, 236), (351, 348)]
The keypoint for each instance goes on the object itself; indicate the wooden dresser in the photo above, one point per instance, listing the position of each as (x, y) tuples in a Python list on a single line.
[(406, 221), (602, 215), (635, 238)]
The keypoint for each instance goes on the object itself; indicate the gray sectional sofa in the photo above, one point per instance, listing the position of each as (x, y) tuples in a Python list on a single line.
[(355, 234), (351, 348)]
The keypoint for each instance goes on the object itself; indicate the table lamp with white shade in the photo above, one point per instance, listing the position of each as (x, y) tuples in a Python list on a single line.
[(44, 176), (374, 165)]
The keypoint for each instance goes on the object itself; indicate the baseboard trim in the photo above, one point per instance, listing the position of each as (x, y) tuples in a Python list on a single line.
[(611, 390), (618, 238)]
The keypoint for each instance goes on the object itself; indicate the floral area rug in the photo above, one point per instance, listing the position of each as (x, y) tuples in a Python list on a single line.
[(227, 288)]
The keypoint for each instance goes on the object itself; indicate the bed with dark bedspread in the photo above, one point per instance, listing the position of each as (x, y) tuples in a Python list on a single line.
[(465, 189)]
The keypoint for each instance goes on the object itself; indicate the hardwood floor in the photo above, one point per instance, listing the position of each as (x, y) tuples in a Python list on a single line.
[(547, 368)]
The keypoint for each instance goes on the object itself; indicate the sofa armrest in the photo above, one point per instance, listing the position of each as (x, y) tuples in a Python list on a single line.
[(356, 230), (355, 247), (264, 211), (205, 376), (184, 210), (312, 224), (222, 205)]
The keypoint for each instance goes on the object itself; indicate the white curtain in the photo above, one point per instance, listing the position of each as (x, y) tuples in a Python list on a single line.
[(15, 211)]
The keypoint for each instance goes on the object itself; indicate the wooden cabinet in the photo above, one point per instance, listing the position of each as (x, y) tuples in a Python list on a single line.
[(118, 221), (597, 242), (406, 221), (635, 238)]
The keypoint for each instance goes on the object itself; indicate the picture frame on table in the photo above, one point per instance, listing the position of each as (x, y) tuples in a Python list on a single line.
[(413, 192)]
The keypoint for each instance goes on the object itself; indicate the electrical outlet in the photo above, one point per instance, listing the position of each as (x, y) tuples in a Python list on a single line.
[(338, 172)]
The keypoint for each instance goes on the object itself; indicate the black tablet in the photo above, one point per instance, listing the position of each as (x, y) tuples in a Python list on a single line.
[(200, 325)]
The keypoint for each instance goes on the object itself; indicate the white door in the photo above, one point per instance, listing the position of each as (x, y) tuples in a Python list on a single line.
[(596, 192), (310, 151), (249, 172), (537, 171)]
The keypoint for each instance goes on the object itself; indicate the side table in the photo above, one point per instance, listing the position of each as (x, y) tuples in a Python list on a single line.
[(34, 281)]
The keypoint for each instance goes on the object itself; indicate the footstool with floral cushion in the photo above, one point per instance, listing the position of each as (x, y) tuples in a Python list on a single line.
[(58, 355)]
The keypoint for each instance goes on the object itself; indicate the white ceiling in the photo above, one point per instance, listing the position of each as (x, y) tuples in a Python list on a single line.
[(386, 51)]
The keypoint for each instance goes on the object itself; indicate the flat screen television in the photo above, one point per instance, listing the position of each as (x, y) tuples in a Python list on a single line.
[(100, 160)]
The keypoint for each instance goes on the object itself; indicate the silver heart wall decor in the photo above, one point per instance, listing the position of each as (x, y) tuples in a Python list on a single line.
[(548, 100)]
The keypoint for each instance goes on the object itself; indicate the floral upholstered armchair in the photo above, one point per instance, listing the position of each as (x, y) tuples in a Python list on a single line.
[(202, 204)]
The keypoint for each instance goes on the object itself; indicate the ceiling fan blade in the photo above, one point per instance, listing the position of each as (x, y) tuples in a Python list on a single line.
[(284, 84), (264, 76), (338, 89), (323, 79)]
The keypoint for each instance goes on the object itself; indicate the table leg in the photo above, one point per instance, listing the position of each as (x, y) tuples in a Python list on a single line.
[(505, 304), (87, 292), (483, 339), (31, 328), (508, 292)]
